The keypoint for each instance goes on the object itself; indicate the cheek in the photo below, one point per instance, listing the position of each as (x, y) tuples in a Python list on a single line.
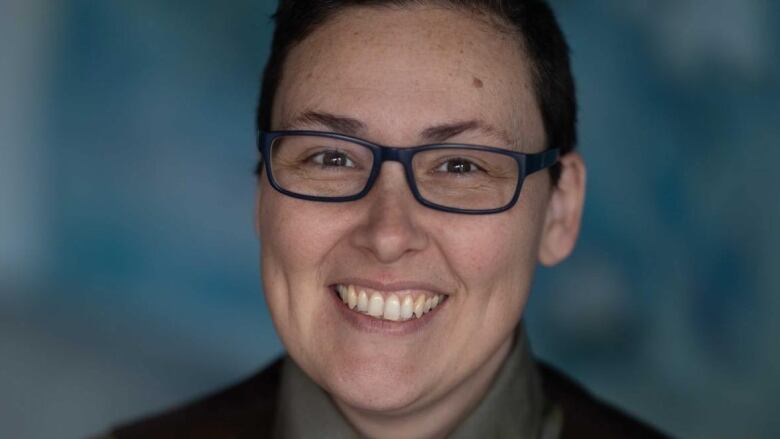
[(297, 239), (494, 258), (294, 235), (492, 249), (290, 255)]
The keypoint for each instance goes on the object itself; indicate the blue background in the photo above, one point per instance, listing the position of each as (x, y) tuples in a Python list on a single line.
[(129, 266)]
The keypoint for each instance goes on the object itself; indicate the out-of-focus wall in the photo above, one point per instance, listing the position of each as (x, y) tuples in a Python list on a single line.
[(129, 265)]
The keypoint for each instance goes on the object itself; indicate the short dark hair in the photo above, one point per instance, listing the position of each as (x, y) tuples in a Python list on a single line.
[(533, 21)]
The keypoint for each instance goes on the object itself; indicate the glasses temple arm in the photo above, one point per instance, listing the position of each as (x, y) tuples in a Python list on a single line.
[(544, 159)]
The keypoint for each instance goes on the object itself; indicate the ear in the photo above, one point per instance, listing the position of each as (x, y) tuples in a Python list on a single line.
[(564, 211)]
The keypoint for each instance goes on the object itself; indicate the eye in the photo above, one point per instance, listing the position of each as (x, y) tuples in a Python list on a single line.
[(458, 165), (335, 159)]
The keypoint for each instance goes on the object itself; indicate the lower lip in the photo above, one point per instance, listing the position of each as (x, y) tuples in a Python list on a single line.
[(367, 323)]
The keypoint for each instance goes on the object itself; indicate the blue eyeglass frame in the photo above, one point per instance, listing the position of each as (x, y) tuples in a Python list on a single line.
[(527, 164)]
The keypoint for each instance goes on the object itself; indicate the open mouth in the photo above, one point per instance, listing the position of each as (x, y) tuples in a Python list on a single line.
[(397, 307)]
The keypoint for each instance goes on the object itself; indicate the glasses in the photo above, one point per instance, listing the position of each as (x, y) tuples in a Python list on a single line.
[(458, 178)]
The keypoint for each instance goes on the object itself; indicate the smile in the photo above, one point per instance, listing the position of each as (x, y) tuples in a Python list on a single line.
[(400, 306)]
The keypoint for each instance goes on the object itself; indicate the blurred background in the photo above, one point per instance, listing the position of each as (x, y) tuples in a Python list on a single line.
[(129, 266)]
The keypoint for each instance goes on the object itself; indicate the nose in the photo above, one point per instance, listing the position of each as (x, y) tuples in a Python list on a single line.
[(391, 228)]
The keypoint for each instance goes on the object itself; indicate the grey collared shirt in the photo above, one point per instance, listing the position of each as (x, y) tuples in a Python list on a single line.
[(514, 406)]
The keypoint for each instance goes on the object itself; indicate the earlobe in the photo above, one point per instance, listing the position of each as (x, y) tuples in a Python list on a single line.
[(564, 211)]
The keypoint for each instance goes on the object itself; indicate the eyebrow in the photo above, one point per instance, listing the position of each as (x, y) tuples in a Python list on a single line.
[(333, 122), (434, 134), (443, 132)]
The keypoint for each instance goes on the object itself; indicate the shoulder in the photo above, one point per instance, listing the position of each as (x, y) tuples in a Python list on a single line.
[(245, 409), (586, 416)]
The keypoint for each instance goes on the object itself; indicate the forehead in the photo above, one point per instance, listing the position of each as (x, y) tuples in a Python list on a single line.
[(400, 70)]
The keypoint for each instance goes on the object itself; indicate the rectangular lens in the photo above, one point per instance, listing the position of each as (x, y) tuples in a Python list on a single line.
[(320, 166), (466, 178)]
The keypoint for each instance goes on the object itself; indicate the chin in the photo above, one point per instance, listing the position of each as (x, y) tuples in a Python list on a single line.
[(374, 389), (365, 377)]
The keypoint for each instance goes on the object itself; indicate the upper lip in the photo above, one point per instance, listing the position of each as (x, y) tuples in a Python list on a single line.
[(390, 287)]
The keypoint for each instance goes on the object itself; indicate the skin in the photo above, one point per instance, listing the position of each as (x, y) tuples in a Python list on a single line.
[(399, 72)]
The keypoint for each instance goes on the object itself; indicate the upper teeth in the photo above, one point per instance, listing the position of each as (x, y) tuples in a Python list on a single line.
[(391, 307)]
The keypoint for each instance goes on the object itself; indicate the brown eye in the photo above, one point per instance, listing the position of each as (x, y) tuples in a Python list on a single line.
[(457, 166), (333, 159)]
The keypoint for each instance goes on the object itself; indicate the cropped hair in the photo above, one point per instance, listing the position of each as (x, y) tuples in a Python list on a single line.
[(531, 20)]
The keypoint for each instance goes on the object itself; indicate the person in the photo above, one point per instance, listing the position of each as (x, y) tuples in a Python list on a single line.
[(417, 163)]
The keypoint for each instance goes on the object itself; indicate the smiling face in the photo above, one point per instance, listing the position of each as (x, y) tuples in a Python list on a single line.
[(397, 77)]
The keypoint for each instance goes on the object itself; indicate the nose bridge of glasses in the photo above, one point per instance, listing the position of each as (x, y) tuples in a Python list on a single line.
[(394, 154), (400, 155)]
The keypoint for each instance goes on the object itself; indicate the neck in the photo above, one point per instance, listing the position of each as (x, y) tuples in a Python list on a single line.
[(438, 419)]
